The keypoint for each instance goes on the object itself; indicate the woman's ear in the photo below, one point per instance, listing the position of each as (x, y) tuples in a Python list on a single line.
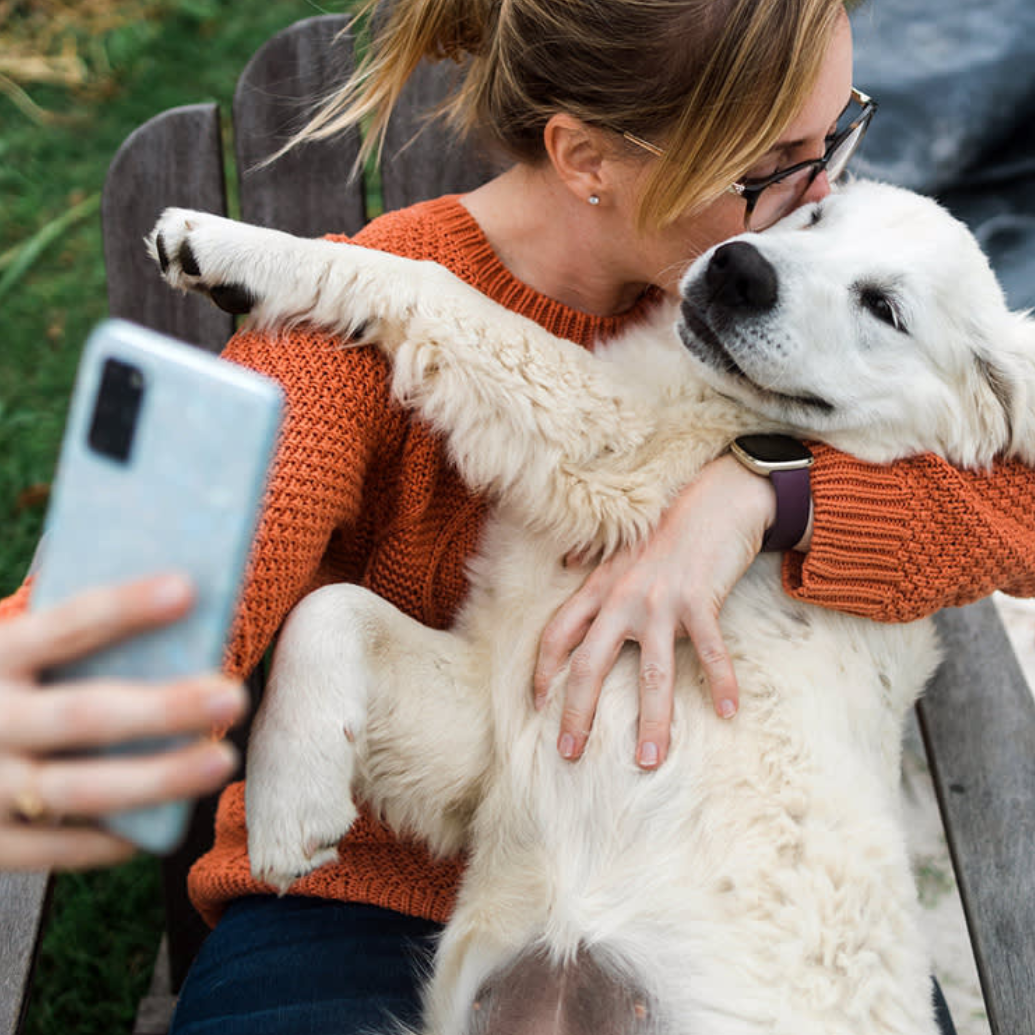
[(577, 154)]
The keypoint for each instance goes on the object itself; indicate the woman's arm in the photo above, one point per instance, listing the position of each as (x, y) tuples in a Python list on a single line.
[(897, 542), (890, 542)]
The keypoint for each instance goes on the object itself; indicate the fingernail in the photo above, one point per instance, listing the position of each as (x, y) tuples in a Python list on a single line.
[(540, 702), (567, 746), (727, 709), (220, 762), (171, 591), (226, 701), (648, 754)]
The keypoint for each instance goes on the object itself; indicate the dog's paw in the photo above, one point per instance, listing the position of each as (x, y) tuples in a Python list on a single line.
[(283, 848), (196, 251), (298, 803)]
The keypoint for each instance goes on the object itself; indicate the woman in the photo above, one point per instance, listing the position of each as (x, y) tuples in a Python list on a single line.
[(627, 122)]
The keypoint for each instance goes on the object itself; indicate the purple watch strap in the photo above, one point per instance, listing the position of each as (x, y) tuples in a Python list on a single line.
[(793, 497)]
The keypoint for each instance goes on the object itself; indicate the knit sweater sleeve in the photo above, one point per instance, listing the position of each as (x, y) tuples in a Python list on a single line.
[(897, 542)]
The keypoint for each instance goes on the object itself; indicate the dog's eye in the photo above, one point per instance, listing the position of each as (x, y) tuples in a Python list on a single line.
[(882, 307)]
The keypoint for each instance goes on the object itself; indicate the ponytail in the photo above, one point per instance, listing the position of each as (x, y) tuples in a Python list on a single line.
[(403, 33)]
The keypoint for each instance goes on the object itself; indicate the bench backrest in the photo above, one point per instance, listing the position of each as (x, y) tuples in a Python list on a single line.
[(176, 159)]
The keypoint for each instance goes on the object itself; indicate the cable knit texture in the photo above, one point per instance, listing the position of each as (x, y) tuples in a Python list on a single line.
[(364, 493)]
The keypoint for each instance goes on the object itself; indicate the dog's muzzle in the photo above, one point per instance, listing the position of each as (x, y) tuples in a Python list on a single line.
[(739, 277)]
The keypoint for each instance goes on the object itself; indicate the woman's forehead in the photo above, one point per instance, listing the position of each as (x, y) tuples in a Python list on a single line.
[(830, 95)]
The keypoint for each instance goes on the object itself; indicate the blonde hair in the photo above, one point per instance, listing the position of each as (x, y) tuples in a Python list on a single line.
[(717, 81)]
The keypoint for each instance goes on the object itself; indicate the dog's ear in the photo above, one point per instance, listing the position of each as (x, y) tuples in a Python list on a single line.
[(1008, 369)]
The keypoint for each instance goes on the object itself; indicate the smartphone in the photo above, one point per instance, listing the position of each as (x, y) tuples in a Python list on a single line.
[(162, 467)]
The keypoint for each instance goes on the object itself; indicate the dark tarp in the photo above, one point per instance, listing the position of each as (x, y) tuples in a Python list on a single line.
[(955, 80)]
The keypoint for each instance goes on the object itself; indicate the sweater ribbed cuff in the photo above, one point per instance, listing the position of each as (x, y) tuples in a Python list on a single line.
[(861, 526)]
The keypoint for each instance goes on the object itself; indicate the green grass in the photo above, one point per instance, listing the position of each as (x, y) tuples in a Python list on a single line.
[(103, 930)]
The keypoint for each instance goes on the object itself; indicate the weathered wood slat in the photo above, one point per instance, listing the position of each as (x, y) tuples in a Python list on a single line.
[(23, 898), (174, 159), (309, 191), (978, 722), (422, 158)]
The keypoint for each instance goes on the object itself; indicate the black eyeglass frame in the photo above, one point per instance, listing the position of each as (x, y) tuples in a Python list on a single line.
[(751, 192)]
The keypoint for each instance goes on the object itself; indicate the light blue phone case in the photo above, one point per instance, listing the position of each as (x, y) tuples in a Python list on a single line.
[(186, 498)]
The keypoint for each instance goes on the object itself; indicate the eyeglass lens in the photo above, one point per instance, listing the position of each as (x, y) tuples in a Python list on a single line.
[(783, 196)]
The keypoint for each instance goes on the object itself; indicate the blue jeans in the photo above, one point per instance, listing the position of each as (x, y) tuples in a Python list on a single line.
[(300, 966), (303, 966)]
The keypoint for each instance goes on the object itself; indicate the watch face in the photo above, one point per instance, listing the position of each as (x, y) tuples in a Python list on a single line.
[(774, 449)]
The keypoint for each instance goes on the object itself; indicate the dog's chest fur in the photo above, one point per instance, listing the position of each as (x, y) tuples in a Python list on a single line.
[(776, 835)]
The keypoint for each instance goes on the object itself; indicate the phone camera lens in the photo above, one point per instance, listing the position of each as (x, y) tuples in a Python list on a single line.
[(116, 410)]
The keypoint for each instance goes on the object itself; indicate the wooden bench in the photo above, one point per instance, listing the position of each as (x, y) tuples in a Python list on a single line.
[(978, 717)]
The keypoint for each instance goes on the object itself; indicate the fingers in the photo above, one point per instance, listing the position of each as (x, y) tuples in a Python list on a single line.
[(87, 788), (590, 663), (657, 669), (63, 848), (50, 796), (565, 631), (706, 636), (45, 824), (592, 641), (63, 718), (89, 621)]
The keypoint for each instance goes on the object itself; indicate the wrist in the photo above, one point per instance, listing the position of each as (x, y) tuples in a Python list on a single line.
[(750, 495), (783, 463), (803, 544)]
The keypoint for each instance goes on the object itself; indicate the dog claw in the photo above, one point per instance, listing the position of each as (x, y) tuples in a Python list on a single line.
[(314, 847)]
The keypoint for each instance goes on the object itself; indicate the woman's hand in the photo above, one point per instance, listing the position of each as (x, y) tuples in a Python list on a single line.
[(49, 801), (673, 585)]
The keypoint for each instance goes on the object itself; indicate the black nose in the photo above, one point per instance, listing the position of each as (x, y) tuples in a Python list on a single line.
[(739, 276)]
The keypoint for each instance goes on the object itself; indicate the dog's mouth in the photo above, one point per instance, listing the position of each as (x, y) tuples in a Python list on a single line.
[(700, 339)]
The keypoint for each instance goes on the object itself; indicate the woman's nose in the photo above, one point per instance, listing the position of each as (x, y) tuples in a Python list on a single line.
[(819, 188)]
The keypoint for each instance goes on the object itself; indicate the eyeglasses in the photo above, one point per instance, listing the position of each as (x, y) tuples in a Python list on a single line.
[(771, 198)]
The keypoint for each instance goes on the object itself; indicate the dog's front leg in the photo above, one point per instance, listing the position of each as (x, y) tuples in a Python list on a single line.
[(363, 701), (564, 438)]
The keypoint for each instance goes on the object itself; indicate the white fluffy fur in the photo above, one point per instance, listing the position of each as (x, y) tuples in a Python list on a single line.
[(758, 881)]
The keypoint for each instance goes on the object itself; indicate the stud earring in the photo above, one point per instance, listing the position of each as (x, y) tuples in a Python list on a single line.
[(594, 199)]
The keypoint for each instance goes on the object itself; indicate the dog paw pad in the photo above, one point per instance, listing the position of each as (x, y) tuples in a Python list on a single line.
[(233, 298), (187, 260), (163, 255)]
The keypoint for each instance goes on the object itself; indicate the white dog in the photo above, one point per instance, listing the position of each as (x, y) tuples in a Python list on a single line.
[(758, 881)]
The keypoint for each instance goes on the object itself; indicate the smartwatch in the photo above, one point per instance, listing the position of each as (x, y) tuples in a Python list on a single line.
[(785, 462)]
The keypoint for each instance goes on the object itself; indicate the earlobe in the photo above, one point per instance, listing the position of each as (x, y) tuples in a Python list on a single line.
[(576, 153)]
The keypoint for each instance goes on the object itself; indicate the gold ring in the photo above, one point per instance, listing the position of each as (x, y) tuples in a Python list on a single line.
[(28, 807)]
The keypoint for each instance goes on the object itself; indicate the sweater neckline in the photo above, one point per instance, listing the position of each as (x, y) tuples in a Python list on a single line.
[(485, 269)]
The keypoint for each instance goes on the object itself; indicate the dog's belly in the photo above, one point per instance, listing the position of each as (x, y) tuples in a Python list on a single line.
[(762, 866)]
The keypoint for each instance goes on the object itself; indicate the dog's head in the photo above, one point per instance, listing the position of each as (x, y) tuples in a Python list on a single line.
[(870, 320)]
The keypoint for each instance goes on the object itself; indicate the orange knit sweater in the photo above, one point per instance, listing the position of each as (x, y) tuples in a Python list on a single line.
[(364, 493)]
